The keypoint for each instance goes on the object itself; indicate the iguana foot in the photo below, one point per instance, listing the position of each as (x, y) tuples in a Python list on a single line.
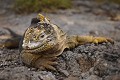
[(46, 63), (102, 39)]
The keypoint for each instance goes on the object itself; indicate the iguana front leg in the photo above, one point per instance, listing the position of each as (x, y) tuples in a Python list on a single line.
[(78, 40), (45, 63), (38, 61)]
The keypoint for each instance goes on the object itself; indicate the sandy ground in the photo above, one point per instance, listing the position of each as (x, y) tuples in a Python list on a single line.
[(85, 62)]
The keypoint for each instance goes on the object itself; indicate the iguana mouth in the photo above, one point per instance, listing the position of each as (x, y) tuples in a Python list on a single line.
[(31, 46), (38, 49)]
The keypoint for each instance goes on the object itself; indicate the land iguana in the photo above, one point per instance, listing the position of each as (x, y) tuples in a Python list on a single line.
[(44, 41)]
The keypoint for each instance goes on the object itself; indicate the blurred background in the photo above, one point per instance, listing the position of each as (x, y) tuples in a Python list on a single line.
[(81, 17), (84, 17)]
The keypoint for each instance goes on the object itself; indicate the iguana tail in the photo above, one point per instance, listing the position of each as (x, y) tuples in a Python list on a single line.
[(10, 41)]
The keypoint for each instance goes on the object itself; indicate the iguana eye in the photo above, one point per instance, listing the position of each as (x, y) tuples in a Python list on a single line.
[(42, 35)]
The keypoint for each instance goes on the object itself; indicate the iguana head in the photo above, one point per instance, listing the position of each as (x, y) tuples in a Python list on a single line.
[(39, 37)]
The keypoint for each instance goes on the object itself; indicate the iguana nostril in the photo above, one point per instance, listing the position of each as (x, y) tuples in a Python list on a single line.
[(25, 46)]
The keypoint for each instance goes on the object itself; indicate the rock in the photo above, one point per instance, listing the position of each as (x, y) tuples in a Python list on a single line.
[(113, 77), (94, 77), (42, 75)]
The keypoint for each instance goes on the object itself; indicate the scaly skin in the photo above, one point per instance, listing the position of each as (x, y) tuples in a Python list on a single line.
[(43, 42)]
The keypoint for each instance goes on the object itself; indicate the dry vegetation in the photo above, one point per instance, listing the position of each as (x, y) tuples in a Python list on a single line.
[(111, 1), (28, 6)]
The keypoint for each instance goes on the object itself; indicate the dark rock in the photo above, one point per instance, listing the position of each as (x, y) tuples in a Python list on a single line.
[(85, 62)]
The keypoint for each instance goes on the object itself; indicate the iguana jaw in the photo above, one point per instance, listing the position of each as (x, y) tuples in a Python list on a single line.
[(31, 46), (38, 49)]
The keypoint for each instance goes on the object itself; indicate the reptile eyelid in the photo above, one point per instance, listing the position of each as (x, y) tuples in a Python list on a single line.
[(42, 36)]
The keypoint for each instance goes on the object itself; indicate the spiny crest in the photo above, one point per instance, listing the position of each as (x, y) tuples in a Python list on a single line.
[(42, 18), (44, 24)]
